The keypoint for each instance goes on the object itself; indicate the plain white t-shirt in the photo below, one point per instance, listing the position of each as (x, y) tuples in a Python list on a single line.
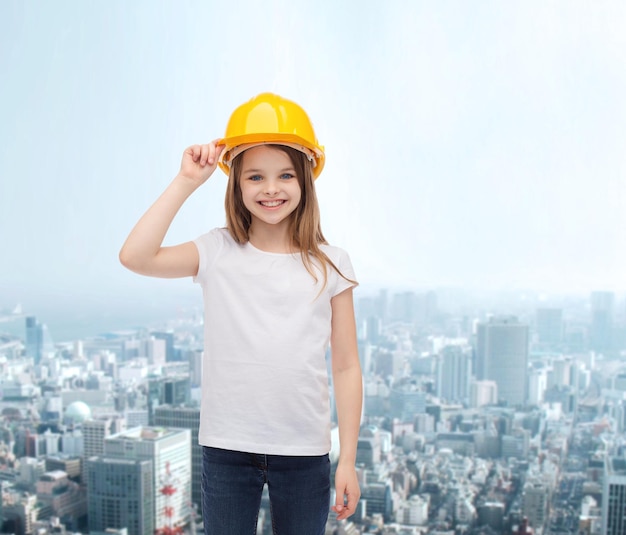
[(266, 332)]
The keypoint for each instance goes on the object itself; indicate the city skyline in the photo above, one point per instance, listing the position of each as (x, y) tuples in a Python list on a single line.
[(473, 146), (450, 438)]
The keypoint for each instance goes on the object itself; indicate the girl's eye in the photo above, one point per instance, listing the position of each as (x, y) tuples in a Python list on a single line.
[(286, 176), (255, 178)]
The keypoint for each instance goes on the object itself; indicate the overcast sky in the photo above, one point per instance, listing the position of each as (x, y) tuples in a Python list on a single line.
[(472, 144)]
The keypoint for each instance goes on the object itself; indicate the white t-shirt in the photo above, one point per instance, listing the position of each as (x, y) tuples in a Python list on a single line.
[(266, 332)]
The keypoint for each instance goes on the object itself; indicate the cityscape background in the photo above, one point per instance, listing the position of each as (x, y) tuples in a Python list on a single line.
[(475, 174)]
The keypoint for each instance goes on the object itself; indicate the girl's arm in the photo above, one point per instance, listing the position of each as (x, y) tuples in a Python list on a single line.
[(347, 379), (143, 251)]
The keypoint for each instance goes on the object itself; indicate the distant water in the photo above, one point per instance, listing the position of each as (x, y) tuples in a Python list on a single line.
[(78, 321)]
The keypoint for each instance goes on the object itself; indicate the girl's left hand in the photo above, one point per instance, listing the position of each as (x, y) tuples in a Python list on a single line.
[(347, 491)]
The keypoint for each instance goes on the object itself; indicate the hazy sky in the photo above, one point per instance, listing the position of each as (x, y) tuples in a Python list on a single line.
[(476, 144)]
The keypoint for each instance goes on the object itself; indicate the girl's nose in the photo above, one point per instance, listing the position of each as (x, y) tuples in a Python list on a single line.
[(271, 187)]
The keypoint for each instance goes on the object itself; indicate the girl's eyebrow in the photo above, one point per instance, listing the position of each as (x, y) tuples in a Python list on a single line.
[(261, 170)]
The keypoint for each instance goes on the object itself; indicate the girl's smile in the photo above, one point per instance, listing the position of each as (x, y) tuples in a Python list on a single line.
[(269, 186)]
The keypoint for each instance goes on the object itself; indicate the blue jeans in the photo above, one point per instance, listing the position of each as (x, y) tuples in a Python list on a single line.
[(232, 484)]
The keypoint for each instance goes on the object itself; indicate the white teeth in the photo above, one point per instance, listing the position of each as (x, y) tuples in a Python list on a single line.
[(271, 204)]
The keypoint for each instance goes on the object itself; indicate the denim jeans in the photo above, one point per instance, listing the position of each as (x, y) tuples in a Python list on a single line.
[(232, 484)]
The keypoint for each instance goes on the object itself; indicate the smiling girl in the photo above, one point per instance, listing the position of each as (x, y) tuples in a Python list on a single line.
[(275, 296)]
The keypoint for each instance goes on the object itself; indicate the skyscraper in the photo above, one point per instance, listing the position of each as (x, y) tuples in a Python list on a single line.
[(502, 356), (169, 451), (549, 326), (602, 304), (185, 418), (167, 390), (454, 371), (34, 339), (120, 494), (94, 433), (614, 496), (535, 503)]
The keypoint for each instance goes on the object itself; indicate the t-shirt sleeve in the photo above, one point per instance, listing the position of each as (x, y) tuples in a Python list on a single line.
[(209, 246), (344, 264)]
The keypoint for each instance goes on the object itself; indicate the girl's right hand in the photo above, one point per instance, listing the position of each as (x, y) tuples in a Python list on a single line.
[(199, 162)]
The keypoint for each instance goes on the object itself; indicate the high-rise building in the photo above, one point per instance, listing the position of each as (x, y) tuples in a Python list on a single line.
[(483, 393), (175, 391), (535, 504), (614, 496), (537, 385), (185, 418), (34, 339), (549, 323), (602, 304), (502, 356), (168, 336), (94, 433), (373, 329), (562, 371), (194, 357), (121, 494), (368, 452), (454, 371), (169, 451), (491, 514), (378, 498), (406, 400)]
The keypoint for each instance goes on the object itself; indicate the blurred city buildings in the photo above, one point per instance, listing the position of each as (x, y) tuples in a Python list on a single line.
[(479, 417)]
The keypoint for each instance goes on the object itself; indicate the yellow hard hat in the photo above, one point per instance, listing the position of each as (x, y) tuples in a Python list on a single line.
[(269, 118)]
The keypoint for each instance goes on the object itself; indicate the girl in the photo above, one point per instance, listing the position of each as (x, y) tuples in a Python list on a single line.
[(275, 294)]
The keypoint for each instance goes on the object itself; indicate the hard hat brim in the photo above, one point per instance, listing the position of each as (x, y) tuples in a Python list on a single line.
[(235, 145)]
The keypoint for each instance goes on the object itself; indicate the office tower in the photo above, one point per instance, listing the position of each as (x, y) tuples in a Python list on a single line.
[(175, 391), (483, 393), (406, 400), (549, 323), (535, 503), (168, 450), (94, 433), (602, 304), (614, 496), (378, 498), (491, 514), (454, 370), (194, 357), (120, 494), (368, 451), (373, 329), (537, 385), (185, 418), (168, 337), (562, 370), (34, 339), (502, 356)]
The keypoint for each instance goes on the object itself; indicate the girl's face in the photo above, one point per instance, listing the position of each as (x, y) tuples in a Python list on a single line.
[(269, 185)]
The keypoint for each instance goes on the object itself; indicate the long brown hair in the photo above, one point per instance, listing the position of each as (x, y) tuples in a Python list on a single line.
[(304, 222)]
